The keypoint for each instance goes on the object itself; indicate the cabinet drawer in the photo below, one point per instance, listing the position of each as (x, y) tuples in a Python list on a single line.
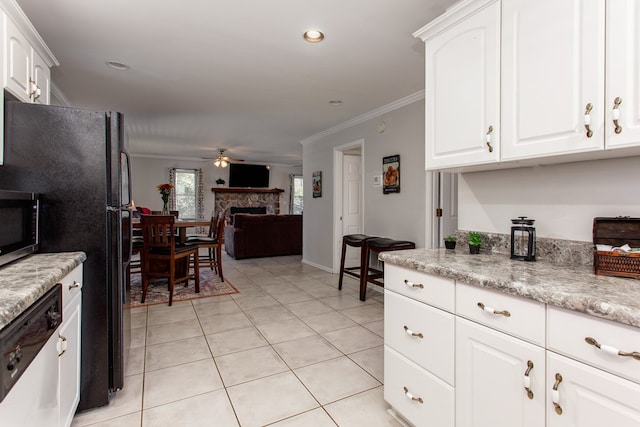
[(403, 380), (421, 333), (567, 331), (71, 285), (433, 290), (526, 318)]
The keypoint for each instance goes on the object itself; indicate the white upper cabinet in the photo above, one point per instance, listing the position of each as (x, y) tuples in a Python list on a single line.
[(27, 74), (462, 86), (555, 81), (552, 77), (623, 74)]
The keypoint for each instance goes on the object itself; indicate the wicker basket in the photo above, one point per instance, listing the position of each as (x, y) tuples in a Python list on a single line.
[(617, 264), (616, 232)]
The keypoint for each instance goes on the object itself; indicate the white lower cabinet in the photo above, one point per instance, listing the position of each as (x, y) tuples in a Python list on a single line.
[(500, 360), (69, 361), (68, 347), (499, 378), (588, 397)]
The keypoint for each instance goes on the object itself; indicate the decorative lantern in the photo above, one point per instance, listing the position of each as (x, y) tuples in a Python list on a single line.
[(523, 239)]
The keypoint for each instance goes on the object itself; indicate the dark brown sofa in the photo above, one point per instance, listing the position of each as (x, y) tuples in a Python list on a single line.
[(253, 236)]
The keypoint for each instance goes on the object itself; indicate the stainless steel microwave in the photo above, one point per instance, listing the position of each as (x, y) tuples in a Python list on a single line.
[(19, 219)]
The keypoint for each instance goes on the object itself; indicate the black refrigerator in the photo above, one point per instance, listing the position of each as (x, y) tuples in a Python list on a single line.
[(76, 160)]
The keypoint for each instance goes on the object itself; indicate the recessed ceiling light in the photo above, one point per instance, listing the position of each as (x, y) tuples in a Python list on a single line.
[(117, 65), (313, 36), (335, 102)]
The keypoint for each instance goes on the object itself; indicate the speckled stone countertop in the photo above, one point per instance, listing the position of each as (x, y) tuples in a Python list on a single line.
[(24, 281), (572, 287)]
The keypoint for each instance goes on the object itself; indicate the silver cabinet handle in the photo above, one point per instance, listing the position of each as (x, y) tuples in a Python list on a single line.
[(489, 146), (411, 333), (612, 350), (411, 396), (527, 379), (413, 285), (74, 285), (587, 120), (504, 313), (615, 114)]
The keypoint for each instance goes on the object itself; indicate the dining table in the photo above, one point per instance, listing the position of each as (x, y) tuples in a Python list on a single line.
[(180, 225)]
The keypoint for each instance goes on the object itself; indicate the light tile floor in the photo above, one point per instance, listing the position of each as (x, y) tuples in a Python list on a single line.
[(288, 350)]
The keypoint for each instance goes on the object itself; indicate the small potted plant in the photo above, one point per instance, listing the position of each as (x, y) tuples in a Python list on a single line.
[(474, 242), (220, 181), (450, 242)]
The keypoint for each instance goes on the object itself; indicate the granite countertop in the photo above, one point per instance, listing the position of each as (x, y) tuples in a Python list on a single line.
[(24, 281), (571, 287)]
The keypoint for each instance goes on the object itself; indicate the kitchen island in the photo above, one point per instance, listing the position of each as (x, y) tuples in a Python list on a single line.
[(485, 340)]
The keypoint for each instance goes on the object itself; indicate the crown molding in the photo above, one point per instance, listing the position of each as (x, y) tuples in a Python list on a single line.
[(402, 102)]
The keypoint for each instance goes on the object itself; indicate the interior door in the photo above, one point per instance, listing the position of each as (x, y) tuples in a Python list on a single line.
[(351, 202)]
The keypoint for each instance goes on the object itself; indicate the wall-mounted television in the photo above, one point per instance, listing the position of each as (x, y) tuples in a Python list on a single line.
[(248, 176)]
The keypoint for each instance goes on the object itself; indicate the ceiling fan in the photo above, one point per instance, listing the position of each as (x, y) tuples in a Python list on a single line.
[(221, 160)]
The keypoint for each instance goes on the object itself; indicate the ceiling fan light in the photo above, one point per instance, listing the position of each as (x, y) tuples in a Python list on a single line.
[(223, 163)]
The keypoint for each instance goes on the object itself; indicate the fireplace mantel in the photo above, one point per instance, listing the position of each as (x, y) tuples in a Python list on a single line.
[(246, 190), (226, 197)]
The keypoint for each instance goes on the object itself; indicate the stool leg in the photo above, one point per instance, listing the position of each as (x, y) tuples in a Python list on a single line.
[(344, 252), (364, 271)]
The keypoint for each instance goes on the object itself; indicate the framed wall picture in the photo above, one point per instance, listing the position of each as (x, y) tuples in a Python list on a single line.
[(391, 174), (316, 180)]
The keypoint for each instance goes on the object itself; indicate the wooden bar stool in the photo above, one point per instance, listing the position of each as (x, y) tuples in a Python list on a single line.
[(355, 241), (377, 245)]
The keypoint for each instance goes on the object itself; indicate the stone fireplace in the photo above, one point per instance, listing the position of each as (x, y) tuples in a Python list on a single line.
[(226, 198)]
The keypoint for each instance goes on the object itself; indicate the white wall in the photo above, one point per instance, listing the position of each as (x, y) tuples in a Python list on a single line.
[(147, 173), (399, 216), (563, 198)]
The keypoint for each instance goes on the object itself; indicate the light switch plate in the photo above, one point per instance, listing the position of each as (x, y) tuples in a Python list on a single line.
[(377, 180)]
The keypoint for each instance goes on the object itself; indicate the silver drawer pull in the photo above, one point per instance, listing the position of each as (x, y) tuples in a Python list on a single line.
[(504, 313), (612, 350), (413, 285), (413, 334), (411, 396), (74, 285)]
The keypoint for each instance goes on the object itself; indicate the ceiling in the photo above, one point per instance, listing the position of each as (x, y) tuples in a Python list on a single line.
[(234, 74)]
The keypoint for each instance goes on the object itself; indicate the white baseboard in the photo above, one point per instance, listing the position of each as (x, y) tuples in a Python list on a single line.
[(321, 267)]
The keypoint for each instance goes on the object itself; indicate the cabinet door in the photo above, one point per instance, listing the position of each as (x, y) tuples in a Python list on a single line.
[(589, 397), (18, 57), (462, 92), (42, 78), (623, 73), (491, 370), (69, 362), (552, 67)]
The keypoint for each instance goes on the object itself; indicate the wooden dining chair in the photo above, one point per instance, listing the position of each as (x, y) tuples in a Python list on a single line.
[(162, 257), (213, 243)]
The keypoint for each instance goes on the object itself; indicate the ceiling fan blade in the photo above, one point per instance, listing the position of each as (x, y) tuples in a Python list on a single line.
[(231, 159)]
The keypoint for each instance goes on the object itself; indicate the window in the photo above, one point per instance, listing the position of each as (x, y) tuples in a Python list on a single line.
[(185, 193), (296, 195)]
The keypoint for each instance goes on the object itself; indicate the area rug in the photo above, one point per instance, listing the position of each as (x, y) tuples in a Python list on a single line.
[(158, 292)]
